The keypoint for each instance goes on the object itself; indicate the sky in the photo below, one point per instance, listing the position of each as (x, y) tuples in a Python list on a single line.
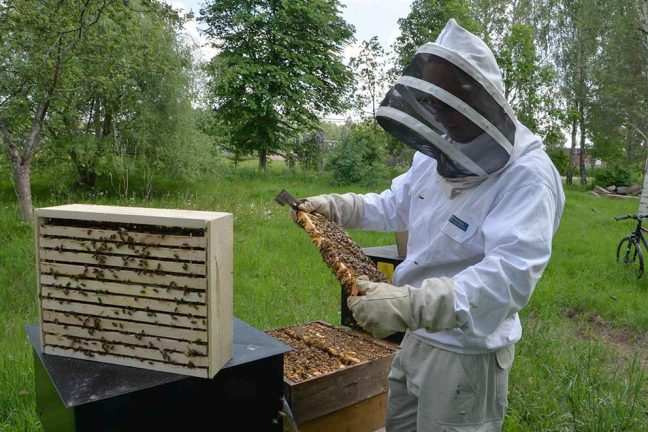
[(369, 17)]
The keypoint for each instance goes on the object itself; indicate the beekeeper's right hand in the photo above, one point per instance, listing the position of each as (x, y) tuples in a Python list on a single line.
[(346, 209)]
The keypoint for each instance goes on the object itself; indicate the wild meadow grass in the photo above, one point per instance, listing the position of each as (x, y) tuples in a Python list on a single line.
[(561, 381)]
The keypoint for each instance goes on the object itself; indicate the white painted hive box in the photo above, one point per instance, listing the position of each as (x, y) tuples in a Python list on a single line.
[(142, 287)]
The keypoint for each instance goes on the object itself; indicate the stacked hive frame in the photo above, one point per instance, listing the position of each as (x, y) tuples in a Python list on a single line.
[(148, 288)]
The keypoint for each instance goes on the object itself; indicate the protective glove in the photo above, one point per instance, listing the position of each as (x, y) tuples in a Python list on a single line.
[(346, 209), (385, 309)]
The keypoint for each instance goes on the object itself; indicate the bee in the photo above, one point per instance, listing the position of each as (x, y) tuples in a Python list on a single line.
[(192, 353)]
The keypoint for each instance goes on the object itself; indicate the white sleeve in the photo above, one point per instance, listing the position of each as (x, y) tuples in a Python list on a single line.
[(517, 234), (388, 211)]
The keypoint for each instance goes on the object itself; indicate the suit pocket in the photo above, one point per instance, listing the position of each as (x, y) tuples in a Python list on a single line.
[(504, 358)]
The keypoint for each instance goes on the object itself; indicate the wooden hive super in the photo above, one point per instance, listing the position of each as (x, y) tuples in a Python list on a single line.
[(142, 287)]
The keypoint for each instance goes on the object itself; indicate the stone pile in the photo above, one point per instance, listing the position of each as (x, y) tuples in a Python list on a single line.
[(617, 191)]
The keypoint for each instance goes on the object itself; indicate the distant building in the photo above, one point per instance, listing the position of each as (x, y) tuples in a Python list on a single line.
[(590, 162)]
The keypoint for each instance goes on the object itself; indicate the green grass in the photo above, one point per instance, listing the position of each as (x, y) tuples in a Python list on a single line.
[(583, 273), (560, 380)]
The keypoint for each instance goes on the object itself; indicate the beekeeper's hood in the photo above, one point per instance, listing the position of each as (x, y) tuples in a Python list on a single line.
[(449, 104)]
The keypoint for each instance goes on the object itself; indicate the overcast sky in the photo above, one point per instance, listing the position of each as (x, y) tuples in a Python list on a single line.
[(369, 17)]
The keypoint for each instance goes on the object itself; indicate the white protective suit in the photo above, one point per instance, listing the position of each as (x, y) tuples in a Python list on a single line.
[(491, 233), (481, 202)]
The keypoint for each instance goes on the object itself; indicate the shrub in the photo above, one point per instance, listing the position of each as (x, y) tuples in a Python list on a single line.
[(358, 158), (560, 159), (615, 174)]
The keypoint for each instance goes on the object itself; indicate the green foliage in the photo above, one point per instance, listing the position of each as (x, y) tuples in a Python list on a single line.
[(526, 80), (613, 175), (559, 158), (308, 150), (619, 112), (138, 107), (358, 158), (370, 78), (102, 86), (279, 66), (424, 23)]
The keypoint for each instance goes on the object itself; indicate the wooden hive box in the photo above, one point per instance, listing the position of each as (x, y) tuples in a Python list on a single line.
[(321, 392), (141, 287)]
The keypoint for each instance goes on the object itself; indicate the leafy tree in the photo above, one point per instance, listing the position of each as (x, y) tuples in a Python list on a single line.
[(578, 27), (370, 77), (526, 80), (38, 39), (424, 23), (517, 32), (131, 98), (279, 66), (48, 47), (619, 112)]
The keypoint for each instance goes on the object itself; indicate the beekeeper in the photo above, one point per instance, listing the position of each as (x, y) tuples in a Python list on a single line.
[(481, 202)]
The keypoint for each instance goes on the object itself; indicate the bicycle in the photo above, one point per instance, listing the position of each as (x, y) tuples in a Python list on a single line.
[(634, 240)]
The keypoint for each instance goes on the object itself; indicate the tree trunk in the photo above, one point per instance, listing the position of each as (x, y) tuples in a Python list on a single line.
[(642, 9), (581, 127), (21, 176), (21, 168), (263, 159), (628, 147), (572, 152)]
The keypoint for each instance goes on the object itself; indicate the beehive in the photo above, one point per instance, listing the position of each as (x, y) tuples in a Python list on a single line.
[(331, 369), (141, 287)]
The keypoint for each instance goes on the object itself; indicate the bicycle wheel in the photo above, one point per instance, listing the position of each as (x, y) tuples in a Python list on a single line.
[(629, 252)]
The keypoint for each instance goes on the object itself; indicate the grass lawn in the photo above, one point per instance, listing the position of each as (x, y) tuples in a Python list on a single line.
[(565, 377)]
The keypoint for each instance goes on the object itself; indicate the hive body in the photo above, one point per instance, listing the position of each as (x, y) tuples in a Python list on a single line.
[(148, 288)]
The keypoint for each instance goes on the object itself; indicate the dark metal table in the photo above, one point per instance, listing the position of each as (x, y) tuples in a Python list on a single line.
[(82, 395)]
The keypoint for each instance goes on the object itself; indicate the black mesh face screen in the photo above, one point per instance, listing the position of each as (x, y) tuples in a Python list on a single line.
[(464, 87), (443, 112)]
